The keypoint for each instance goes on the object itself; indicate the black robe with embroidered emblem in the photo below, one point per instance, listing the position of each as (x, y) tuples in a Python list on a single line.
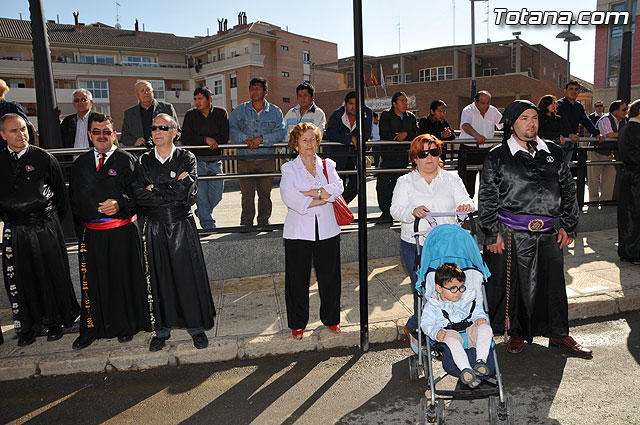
[(527, 282), (35, 261), (178, 274), (113, 288)]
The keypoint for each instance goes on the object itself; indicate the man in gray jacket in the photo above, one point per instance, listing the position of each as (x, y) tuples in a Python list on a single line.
[(136, 127)]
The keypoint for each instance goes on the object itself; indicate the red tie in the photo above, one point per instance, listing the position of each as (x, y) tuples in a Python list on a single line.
[(100, 162)]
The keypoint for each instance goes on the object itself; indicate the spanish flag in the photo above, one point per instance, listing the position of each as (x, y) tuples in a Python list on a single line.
[(374, 80)]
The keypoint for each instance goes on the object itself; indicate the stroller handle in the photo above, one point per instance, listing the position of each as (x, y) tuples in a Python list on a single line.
[(432, 214)]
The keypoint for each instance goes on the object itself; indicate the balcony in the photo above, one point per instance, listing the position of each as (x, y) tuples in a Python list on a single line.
[(229, 64), (28, 95)]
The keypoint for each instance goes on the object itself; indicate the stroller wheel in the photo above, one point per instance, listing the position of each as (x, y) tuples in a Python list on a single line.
[(507, 410), (493, 410), (413, 368), (429, 412)]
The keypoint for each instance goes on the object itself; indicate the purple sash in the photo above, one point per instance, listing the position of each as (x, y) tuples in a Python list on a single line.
[(530, 223)]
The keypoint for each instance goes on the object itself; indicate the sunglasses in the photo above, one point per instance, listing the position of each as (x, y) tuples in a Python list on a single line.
[(161, 127), (432, 152), (83, 100), (97, 132), (454, 289), (599, 106)]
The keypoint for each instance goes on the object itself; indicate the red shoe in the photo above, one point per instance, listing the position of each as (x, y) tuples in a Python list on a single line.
[(335, 329), (297, 333)]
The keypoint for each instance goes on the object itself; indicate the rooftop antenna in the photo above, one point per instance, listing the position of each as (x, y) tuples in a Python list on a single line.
[(453, 2), (399, 27), (486, 20), (118, 26)]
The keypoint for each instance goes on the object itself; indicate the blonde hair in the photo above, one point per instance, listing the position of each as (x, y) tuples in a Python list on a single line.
[(4, 88), (299, 130)]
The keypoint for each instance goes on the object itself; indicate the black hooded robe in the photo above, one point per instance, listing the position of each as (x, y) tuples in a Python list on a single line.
[(178, 274), (114, 292), (35, 262), (542, 185)]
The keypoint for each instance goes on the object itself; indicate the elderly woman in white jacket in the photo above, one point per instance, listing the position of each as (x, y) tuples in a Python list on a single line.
[(427, 188), (311, 233)]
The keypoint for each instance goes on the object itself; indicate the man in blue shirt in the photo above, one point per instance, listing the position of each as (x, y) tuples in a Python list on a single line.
[(256, 123), (572, 113)]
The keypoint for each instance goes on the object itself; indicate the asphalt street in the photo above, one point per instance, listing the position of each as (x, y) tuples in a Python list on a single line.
[(344, 386)]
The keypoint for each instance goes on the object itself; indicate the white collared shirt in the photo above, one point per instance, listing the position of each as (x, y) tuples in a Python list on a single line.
[(445, 193), (96, 155), (514, 146), (300, 220), (22, 152), (82, 128), (163, 160), (484, 125)]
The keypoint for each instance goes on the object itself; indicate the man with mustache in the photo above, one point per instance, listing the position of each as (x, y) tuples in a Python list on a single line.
[(114, 294)]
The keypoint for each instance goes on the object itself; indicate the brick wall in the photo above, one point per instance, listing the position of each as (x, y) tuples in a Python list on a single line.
[(600, 57)]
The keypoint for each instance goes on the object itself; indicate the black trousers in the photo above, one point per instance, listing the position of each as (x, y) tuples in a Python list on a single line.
[(325, 257), (350, 181), (475, 157), (385, 183)]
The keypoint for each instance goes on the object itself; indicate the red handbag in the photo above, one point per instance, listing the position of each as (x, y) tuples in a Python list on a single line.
[(343, 214)]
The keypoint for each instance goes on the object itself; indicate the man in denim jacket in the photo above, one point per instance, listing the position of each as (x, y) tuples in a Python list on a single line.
[(256, 123)]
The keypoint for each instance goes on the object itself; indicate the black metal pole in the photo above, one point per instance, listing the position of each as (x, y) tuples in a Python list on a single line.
[(624, 75), (363, 264), (48, 123)]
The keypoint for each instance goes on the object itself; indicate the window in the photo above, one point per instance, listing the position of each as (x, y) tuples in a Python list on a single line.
[(105, 60), (233, 53), (286, 99), (284, 73), (246, 50), (217, 87), (233, 81), (220, 54), (139, 61), (158, 88), (435, 74), (99, 88), (615, 45), (306, 58), (488, 72), (392, 79), (284, 48), (101, 109), (408, 78), (255, 47), (395, 66)]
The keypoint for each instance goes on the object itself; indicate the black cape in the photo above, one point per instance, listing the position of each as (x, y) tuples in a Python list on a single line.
[(178, 274), (35, 262), (113, 288), (536, 301), (629, 200)]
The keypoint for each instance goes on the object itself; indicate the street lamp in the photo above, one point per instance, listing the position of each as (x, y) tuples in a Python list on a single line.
[(568, 37)]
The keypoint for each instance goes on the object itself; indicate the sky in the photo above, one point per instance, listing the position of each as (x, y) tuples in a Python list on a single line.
[(416, 25)]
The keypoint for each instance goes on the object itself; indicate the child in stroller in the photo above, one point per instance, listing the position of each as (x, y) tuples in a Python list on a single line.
[(452, 308)]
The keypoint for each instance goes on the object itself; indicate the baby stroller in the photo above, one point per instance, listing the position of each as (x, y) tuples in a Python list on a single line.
[(452, 243)]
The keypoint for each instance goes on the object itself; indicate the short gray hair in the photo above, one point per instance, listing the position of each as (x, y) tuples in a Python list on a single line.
[(135, 86), (169, 118), (10, 116), (83, 91)]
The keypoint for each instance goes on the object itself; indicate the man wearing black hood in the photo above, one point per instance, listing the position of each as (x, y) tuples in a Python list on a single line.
[(528, 212)]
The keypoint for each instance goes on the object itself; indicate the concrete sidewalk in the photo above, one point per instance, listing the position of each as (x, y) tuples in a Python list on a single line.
[(252, 322)]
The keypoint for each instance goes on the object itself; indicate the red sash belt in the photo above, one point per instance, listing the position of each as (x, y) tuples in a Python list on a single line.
[(108, 223)]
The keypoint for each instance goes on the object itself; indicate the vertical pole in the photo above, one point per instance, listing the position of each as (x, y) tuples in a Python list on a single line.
[(568, 61), (48, 123), (624, 74), (473, 50), (363, 271)]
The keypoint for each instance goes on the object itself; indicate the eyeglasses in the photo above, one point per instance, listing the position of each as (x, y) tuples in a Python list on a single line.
[(97, 132), (454, 289), (599, 106), (432, 152), (83, 100), (161, 127)]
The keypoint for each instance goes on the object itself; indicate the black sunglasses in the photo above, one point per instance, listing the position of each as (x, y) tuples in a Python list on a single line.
[(97, 132), (161, 127), (432, 152)]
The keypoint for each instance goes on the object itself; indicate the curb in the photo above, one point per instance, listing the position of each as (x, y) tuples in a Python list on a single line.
[(181, 351)]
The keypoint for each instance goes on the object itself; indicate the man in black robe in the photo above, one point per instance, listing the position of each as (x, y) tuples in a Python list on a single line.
[(114, 293), (629, 201), (165, 189), (35, 262), (528, 212)]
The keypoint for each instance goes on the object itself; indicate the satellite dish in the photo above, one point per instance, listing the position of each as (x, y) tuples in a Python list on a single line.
[(118, 26)]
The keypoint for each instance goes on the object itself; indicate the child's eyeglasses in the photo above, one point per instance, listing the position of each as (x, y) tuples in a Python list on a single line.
[(454, 289)]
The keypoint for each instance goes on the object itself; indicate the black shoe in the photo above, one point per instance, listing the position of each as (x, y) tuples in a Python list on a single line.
[(157, 343), (82, 342), (385, 218), (54, 333), (200, 341), (26, 338), (125, 338)]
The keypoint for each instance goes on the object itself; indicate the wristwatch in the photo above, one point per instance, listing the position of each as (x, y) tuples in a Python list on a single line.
[(319, 193)]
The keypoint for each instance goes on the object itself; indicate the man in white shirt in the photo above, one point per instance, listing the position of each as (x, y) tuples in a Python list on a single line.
[(478, 121)]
